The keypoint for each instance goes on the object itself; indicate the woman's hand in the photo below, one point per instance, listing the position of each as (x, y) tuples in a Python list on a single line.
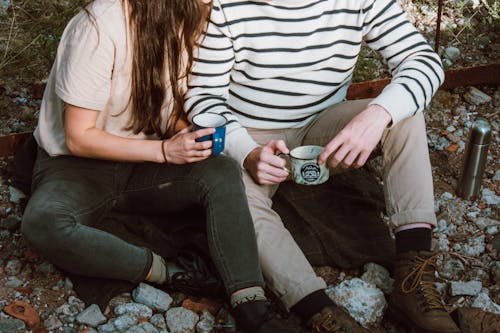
[(182, 147)]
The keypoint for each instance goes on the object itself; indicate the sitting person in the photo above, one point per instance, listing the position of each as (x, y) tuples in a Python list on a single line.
[(279, 71), (108, 140)]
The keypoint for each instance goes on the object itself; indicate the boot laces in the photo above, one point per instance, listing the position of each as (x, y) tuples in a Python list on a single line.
[(421, 277), (327, 323)]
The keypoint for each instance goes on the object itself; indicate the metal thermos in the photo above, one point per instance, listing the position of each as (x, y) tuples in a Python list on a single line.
[(474, 160)]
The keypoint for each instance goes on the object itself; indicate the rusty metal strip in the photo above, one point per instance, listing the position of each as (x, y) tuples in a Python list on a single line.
[(487, 74), (469, 76)]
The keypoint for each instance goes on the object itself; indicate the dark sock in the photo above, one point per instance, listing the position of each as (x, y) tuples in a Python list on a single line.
[(416, 239), (312, 304)]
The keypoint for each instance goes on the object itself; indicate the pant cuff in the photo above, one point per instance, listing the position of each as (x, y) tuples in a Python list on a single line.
[(414, 216), (299, 291), (230, 289)]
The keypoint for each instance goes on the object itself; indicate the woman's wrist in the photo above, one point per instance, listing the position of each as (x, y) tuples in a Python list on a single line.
[(163, 152)]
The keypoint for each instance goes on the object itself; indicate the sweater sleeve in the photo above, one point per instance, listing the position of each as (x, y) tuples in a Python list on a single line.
[(208, 88), (416, 69)]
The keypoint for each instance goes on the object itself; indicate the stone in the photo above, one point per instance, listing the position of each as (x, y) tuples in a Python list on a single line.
[(16, 195), (108, 327), (484, 302), (476, 97), (124, 321), (490, 198), (135, 309), (13, 267), (91, 316), (495, 271), (206, 323), (159, 321), (379, 276), (180, 320), (475, 246), (11, 325), (451, 268), (154, 298), (52, 323), (364, 302), (13, 282), (484, 222), (452, 53), (469, 288)]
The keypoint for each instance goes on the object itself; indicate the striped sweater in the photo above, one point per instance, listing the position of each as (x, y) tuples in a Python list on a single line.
[(273, 64)]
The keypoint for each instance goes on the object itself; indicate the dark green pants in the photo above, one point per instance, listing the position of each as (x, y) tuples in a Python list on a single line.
[(72, 193)]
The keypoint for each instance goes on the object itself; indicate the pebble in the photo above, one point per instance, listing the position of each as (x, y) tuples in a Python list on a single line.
[(476, 97), (490, 198), (154, 298), (134, 309), (378, 276), (91, 316), (470, 288), (180, 320), (11, 325)]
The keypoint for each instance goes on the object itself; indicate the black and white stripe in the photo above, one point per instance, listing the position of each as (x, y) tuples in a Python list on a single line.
[(276, 64)]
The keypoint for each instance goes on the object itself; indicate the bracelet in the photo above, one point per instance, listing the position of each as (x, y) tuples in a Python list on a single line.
[(165, 160)]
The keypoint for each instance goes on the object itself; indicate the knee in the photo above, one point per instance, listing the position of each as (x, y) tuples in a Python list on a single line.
[(40, 226), (223, 172)]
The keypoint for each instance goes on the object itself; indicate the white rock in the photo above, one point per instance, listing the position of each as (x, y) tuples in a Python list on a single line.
[(476, 96), (181, 320), (154, 298), (378, 276), (484, 302), (91, 316), (206, 323), (469, 288), (490, 197), (364, 302)]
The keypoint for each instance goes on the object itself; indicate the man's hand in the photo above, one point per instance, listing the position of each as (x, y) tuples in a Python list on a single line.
[(354, 143), (263, 164)]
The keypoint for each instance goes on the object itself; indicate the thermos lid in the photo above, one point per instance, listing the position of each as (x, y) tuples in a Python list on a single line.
[(480, 132)]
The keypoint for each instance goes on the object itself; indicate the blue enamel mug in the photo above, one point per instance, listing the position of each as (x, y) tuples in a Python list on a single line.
[(212, 120)]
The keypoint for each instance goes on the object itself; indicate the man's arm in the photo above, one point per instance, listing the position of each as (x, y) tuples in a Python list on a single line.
[(208, 88), (417, 74), (416, 69)]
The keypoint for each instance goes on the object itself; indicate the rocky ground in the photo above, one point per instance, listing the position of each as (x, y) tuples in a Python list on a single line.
[(468, 232)]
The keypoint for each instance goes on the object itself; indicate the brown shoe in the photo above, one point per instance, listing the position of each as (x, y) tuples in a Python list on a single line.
[(415, 300), (333, 319), (477, 321)]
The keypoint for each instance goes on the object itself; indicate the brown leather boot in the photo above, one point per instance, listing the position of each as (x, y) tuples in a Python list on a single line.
[(333, 319), (415, 300), (477, 321)]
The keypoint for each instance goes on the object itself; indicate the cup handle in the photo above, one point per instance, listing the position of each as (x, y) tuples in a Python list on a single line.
[(286, 157), (218, 141)]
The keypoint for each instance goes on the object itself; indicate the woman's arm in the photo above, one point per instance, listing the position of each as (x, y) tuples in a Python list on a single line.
[(85, 140)]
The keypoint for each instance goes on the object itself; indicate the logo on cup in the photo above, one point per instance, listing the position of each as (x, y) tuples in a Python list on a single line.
[(310, 172)]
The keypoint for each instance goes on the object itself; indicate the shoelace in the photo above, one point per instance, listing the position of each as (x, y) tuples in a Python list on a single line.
[(327, 323), (424, 267)]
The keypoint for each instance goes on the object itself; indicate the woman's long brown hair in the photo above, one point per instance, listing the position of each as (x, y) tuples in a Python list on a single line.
[(161, 31)]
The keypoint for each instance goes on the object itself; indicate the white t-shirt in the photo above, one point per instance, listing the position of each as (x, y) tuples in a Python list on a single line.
[(92, 70)]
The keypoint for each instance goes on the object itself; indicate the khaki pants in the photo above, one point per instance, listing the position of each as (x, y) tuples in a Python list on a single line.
[(408, 194)]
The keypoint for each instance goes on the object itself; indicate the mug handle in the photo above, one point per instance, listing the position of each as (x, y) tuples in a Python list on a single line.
[(286, 157), (218, 139)]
